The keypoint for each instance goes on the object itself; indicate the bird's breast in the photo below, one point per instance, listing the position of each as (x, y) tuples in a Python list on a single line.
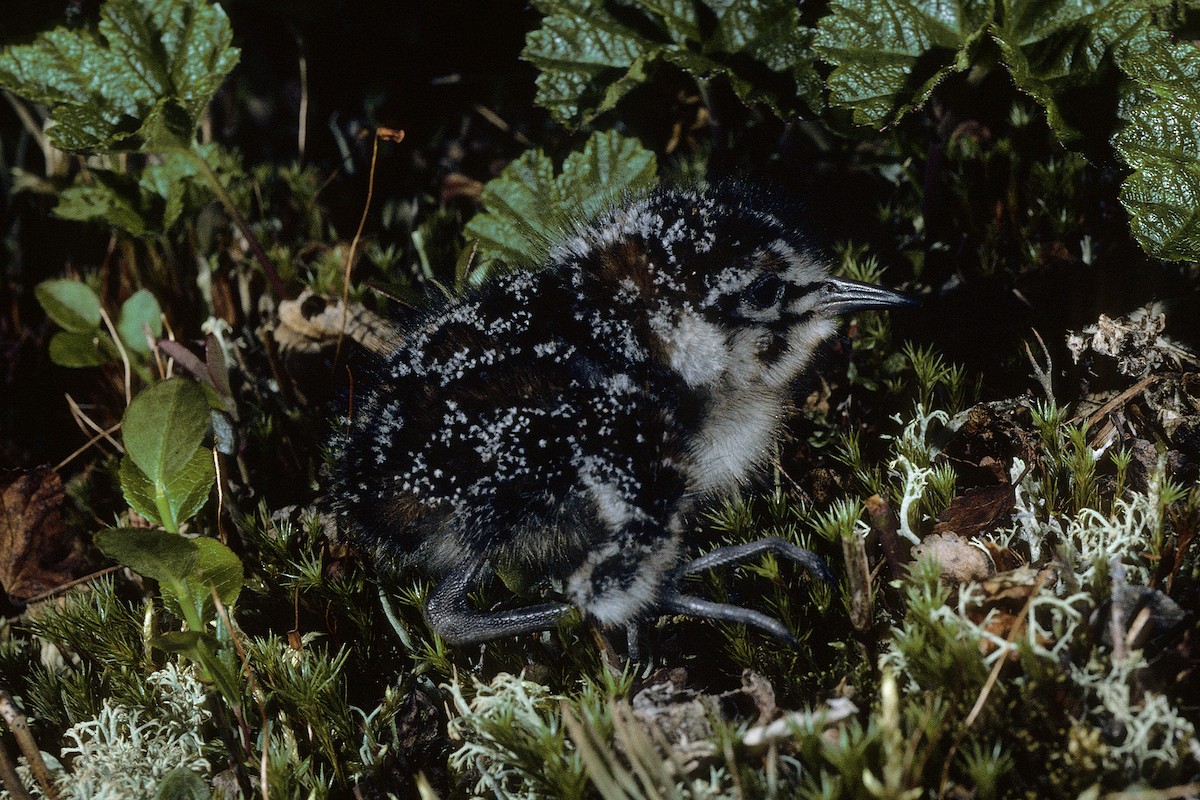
[(733, 441)]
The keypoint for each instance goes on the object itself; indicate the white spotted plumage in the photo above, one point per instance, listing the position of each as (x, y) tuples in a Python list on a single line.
[(564, 421)]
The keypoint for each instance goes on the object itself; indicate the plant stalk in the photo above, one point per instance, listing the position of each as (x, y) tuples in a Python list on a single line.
[(260, 255)]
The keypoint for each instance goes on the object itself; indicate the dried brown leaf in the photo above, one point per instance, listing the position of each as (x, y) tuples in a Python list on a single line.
[(977, 511), (37, 552), (988, 440)]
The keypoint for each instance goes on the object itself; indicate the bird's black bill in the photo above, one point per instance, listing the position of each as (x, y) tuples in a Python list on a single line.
[(843, 296)]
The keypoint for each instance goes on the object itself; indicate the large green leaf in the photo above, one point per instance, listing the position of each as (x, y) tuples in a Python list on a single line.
[(1053, 46), (590, 58), (164, 426), (580, 45), (217, 567), (1161, 142), (188, 570), (145, 207), (527, 206), (183, 493), (166, 557), (106, 197), (139, 312), (93, 349), (141, 81), (877, 45)]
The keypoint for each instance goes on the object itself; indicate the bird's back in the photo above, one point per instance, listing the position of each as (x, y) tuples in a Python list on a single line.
[(478, 432)]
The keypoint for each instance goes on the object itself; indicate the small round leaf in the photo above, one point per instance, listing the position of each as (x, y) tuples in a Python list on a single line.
[(73, 305), (138, 312), (91, 349)]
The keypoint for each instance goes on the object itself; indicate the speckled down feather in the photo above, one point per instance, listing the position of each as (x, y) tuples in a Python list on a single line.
[(566, 419)]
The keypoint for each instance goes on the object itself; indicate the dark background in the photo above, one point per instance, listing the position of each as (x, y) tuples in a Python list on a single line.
[(427, 68)]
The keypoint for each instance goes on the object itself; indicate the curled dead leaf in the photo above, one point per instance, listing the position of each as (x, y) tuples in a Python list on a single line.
[(38, 554), (312, 322), (978, 510)]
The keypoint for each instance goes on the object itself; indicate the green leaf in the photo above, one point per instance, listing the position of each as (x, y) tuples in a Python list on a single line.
[(144, 207), (138, 490), (217, 566), (166, 557), (182, 784), (772, 34), (589, 58), (875, 47), (185, 492), (164, 426), (187, 570), (171, 181), (579, 41), (1160, 141), (107, 198), (137, 312), (1053, 46), (140, 82), (73, 305), (188, 489), (608, 166), (527, 206), (93, 349)]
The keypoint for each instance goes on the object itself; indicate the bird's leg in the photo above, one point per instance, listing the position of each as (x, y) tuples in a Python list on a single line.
[(673, 600), (678, 603), (451, 616), (741, 553), (633, 645)]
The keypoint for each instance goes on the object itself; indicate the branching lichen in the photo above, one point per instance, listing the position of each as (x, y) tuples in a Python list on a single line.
[(125, 752), (1143, 728), (512, 735)]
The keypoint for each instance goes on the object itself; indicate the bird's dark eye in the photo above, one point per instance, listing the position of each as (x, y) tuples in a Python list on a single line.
[(766, 291)]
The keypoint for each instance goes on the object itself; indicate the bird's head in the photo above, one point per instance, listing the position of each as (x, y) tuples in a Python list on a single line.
[(729, 289)]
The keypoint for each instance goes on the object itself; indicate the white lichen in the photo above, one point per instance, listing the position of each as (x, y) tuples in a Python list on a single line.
[(1143, 728), (1095, 539), (1032, 523), (519, 705), (915, 451), (126, 752)]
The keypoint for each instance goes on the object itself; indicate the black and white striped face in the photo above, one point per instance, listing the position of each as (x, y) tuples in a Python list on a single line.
[(777, 303), (725, 286)]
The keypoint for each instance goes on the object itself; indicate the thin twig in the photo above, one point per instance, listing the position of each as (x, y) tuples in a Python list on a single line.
[(31, 125), (10, 778), (302, 126), (105, 434), (256, 248), (220, 495), (19, 725), (112, 331), (1170, 793), (1116, 616), (84, 422), (57, 590), (223, 612), (391, 135), (499, 122), (1118, 401)]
